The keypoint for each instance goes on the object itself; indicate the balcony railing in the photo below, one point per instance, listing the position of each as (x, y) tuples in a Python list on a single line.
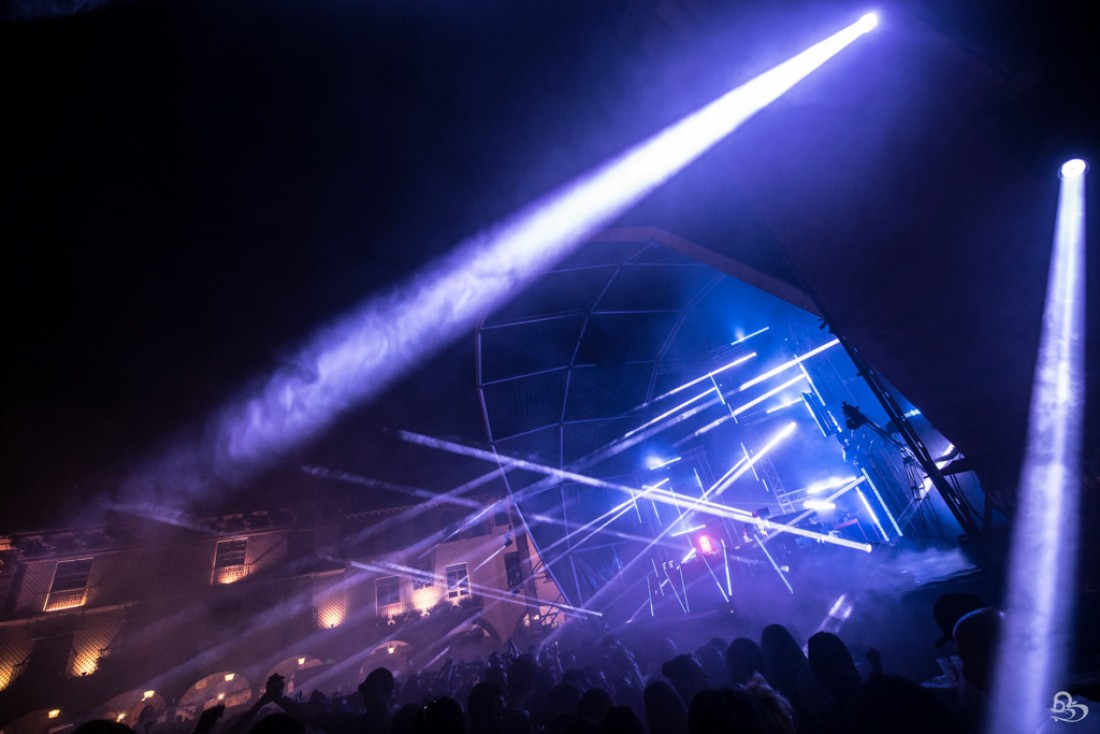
[(67, 599), (231, 574)]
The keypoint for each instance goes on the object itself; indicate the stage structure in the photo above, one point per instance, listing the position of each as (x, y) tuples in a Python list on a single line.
[(680, 441)]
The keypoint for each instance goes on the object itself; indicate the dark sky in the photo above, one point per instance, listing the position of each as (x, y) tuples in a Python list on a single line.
[(191, 188)]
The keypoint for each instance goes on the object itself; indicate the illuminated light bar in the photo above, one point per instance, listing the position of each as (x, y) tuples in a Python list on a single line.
[(838, 614), (726, 476), (678, 409), (818, 505), (1043, 561), (683, 602), (652, 492), (606, 519), (782, 406), (607, 451), (688, 531), (595, 531), (709, 427), (855, 482), (726, 563), (596, 524), (357, 357), (746, 337), (718, 510), (360, 355), (487, 591), (710, 570), (489, 558), (740, 468), (457, 448), (654, 462), (787, 365), (775, 565), (882, 503), (449, 497), (825, 485), (874, 517), (813, 386), (718, 391), (689, 556), (708, 376), (745, 451), (770, 393)]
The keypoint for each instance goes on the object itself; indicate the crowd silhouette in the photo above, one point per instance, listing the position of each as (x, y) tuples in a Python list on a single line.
[(595, 684)]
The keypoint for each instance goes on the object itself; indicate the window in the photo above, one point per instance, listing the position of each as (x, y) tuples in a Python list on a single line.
[(388, 590), (69, 588), (458, 581), (424, 578), (513, 567), (229, 565)]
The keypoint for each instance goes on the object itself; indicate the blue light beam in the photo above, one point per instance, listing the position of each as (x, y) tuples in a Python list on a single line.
[(360, 355), (1042, 575)]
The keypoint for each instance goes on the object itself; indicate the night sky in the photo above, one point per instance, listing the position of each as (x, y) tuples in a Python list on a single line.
[(191, 188)]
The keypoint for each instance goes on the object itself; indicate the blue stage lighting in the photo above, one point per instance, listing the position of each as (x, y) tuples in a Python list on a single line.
[(356, 358), (868, 22), (1073, 168), (1043, 567)]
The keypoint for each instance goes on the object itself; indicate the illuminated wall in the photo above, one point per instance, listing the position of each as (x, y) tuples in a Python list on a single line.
[(15, 649), (330, 602), (92, 642)]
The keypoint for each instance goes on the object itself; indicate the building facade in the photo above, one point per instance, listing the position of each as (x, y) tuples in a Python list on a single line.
[(182, 615)]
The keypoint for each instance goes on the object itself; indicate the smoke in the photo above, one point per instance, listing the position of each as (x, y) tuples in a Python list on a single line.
[(913, 568), (358, 357)]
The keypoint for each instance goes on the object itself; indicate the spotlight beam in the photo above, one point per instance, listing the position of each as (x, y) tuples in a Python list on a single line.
[(603, 521), (708, 376), (489, 591), (787, 365), (674, 411), (723, 484), (710, 570), (771, 560), (356, 358), (843, 490), (770, 393), (733, 513), (417, 492), (746, 337), (651, 492), (1034, 640)]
